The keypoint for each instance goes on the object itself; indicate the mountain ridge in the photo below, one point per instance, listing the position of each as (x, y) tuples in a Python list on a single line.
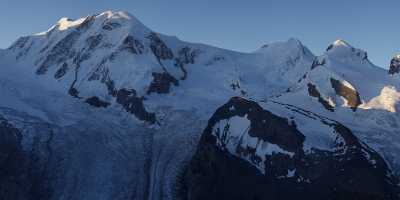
[(127, 16)]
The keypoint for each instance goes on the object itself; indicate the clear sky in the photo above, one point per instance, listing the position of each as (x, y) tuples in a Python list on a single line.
[(372, 25)]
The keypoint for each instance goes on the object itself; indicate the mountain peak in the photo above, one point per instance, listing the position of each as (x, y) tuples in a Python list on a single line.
[(291, 47), (117, 15), (294, 41), (339, 43), (291, 42), (394, 67), (64, 20), (342, 50), (106, 17), (66, 23)]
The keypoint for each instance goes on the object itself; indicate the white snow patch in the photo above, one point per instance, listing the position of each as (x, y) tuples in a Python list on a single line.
[(65, 23), (341, 42), (291, 173)]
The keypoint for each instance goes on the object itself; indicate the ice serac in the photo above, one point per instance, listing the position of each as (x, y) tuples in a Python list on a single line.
[(103, 107)]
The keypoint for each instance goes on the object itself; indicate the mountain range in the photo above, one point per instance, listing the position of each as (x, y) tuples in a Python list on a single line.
[(102, 107)]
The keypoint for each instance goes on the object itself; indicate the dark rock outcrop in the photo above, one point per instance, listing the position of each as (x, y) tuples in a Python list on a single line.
[(394, 67), (96, 102), (110, 25), (161, 83), (283, 134), (185, 56), (61, 71), (132, 45), (312, 91), (345, 173), (127, 98), (352, 96), (134, 104), (159, 48), (73, 92), (317, 63), (94, 41), (214, 60)]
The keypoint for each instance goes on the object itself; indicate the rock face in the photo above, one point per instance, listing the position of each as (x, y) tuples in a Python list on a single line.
[(217, 172), (161, 83), (134, 104), (351, 95), (96, 102), (394, 67), (312, 90)]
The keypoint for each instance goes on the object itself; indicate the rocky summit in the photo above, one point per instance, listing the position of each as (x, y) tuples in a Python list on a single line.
[(394, 67), (103, 107)]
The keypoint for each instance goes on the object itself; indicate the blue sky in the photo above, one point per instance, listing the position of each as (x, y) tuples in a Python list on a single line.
[(238, 25)]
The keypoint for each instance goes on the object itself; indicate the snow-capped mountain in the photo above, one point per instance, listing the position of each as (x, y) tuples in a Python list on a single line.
[(104, 108)]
